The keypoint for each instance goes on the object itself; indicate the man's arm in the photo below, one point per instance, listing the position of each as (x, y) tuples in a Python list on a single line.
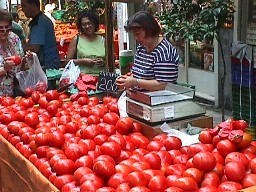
[(33, 48)]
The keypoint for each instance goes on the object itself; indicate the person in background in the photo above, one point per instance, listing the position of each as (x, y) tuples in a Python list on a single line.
[(87, 49), (48, 10), (156, 60), (41, 38), (17, 28), (10, 45)]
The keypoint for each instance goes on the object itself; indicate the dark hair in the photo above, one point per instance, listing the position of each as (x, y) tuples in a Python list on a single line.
[(35, 2), (5, 16), (91, 16), (143, 20), (15, 15)]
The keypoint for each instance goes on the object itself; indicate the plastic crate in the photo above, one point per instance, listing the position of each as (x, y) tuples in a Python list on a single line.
[(236, 61), (243, 75)]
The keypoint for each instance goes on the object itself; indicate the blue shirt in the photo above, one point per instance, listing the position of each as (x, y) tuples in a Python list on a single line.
[(160, 64), (42, 33)]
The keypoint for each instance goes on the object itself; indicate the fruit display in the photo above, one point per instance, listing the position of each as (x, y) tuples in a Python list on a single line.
[(81, 144), (65, 31)]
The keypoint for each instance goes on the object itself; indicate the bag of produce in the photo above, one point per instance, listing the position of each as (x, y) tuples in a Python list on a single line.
[(70, 74), (34, 78)]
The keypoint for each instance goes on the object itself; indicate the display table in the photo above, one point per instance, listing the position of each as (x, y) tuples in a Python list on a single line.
[(19, 174)]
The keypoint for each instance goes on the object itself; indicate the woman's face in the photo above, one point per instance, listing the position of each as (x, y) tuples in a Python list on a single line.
[(87, 26), (139, 35), (5, 28)]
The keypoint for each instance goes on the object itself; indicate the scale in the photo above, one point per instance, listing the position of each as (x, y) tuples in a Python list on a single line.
[(172, 104)]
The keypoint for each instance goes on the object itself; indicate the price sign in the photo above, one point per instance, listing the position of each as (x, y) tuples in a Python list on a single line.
[(107, 82)]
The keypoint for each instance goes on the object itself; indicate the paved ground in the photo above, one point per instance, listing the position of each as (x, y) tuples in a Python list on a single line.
[(216, 113)]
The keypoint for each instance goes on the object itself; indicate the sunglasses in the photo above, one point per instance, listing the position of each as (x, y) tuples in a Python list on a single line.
[(5, 29)]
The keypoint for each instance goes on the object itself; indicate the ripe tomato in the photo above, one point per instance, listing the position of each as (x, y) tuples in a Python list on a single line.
[(124, 125), (229, 186), (225, 147), (186, 184), (245, 142), (155, 145), (234, 171), (116, 179), (139, 140), (111, 148), (52, 95), (80, 172), (157, 183), (240, 124), (237, 157), (84, 161), (175, 169), (105, 189), (63, 166), (182, 158), (90, 131), (105, 169), (194, 173), (61, 180), (123, 187), (208, 189), (137, 178), (173, 189), (111, 118), (195, 148), (205, 137), (204, 161), (211, 179), (172, 142), (16, 59), (249, 180)]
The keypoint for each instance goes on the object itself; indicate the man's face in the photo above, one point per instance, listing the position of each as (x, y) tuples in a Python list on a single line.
[(26, 8)]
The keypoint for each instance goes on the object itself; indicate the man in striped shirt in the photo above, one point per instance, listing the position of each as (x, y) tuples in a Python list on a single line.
[(156, 60)]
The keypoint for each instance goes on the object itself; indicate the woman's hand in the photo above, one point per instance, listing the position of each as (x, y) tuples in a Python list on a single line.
[(8, 64), (125, 82), (2, 71)]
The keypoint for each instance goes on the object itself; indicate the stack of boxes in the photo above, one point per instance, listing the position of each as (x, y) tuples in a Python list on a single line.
[(244, 91)]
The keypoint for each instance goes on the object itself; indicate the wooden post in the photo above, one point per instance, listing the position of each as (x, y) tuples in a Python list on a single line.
[(109, 36)]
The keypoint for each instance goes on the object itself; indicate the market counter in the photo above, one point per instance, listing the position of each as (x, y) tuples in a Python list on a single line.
[(19, 174)]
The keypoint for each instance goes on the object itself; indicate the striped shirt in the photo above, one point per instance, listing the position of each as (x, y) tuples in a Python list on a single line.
[(160, 64)]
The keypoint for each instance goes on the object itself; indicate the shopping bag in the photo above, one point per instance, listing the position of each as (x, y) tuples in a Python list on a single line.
[(70, 74), (34, 78)]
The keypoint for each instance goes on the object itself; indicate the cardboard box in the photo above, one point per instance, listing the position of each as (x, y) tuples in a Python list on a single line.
[(172, 93), (203, 121), (164, 112)]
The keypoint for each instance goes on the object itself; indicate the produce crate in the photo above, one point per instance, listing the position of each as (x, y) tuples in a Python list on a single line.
[(243, 75), (19, 174)]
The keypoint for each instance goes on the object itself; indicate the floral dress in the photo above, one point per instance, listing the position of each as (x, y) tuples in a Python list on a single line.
[(14, 48)]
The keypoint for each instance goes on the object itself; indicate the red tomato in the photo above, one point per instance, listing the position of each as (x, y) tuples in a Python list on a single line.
[(173, 189), (137, 178), (41, 139), (35, 96), (140, 165), (8, 101), (64, 166), (80, 172), (43, 102), (105, 189), (139, 188), (105, 169), (27, 102), (208, 189), (172, 142), (73, 151), (95, 181), (90, 131), (116, 179), (155, 145), (111, 148), (111, 118), (107, 129), (211, 179), (194, 173), (83, 100), (119, 139), (252, 165), (183, 158), (229, 186), (52, 95), (205, 137), (195, 148), (160, 137), (157, 183), (225, 147), (16, 59), (237, 157), (186, 184), (165, 156), (124, 125), (93, 119), (139, 140), (123, 187), (61, 180), (240, 124), (7, 117), (234, 171), (204, 161), (100, 139), (249, 180), (176, 169), (84, 161)]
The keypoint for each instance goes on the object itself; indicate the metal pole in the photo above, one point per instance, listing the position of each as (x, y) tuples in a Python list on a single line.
[(109, 36)]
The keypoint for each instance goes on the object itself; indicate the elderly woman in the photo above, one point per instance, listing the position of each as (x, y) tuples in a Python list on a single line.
[(87, 48), (156, 60), (10, 45)]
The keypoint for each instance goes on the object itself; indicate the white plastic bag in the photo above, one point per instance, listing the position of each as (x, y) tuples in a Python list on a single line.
[(70, 74), (122, 105), (34, 78)]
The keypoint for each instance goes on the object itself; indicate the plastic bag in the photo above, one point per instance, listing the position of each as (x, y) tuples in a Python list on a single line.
[(69, 74), (34, 78), (122, 105)]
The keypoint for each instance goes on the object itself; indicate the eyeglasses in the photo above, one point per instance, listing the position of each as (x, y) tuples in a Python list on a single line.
[(5, 29), (88, 24)]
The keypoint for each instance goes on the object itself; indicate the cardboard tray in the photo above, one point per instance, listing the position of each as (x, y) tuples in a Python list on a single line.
[(19, 174), (172, 93)]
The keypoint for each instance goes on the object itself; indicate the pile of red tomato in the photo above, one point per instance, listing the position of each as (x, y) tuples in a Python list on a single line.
[(81, 144)]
